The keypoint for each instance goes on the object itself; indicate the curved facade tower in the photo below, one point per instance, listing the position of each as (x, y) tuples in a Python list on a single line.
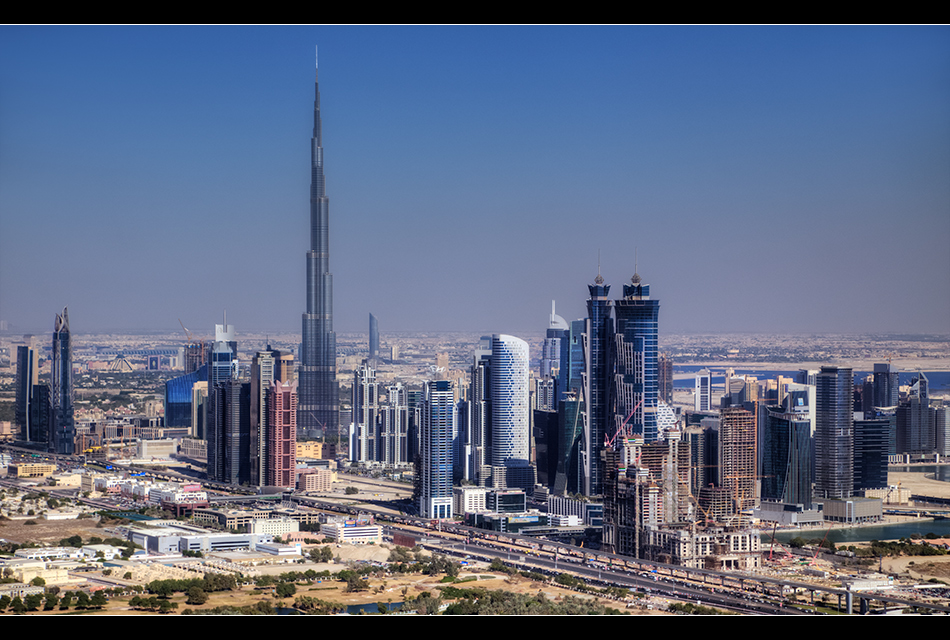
[(319, 397), (509, 397)]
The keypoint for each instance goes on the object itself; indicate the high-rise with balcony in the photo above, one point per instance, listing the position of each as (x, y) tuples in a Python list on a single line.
[(319, 402), (510, 413), (434, 465)]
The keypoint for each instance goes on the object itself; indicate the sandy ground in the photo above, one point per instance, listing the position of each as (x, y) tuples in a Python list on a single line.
[(49, 531), (920, 567), (919, 484), (381, 590)]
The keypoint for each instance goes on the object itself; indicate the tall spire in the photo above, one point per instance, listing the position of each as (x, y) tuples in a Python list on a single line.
[(319, 404)]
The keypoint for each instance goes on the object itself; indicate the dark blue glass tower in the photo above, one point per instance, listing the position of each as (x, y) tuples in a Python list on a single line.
[(599, 331), (319, 401), (634, 357), (63, 434)]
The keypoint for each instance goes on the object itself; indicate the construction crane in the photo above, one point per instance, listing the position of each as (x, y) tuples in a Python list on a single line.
[(609, 442)]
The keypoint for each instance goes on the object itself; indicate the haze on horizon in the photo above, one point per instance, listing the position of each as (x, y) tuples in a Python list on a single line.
[(771, 179)]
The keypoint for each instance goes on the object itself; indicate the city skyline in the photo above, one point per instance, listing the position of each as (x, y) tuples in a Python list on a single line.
[(140, 164)]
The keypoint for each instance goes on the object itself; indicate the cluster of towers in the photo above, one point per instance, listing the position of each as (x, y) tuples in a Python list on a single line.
[(44, 411)]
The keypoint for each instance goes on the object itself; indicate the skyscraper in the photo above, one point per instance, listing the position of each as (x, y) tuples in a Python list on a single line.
[(834, 433), (365, 413), (787, 461), (281, 434), (27, 377), (737, 456), (62, 435), (373, 339), (635, 392), (319, 401), (434, 467), (703, 397), (599, 332), (510, 413)]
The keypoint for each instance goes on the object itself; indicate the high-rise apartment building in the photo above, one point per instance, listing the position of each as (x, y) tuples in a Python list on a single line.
[(63, 431), (392, 439), (703, 397), (281, 433), (263, 374), (737, 456), (365, 413), (434, 466), (319, 402), (510, 412), (834, 433)]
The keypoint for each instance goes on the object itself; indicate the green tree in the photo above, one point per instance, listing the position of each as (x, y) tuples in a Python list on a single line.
[(196, 595), (286, 590)]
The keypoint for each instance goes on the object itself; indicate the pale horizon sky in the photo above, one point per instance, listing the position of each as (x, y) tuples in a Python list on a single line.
[(771, 179)]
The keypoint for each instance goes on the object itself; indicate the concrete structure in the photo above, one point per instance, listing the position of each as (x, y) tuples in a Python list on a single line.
[(273, 526), (352, 531), (469, 499), (737, 457), (30, 470), (320, 480), (853, 510), (714, 549)]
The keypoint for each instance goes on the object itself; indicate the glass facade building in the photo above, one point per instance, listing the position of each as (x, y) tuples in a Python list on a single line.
[(178, 398), (437, 413), (510, 413), (787, 461), (318, 389), (834, 433), (635, 362), (63, 432)]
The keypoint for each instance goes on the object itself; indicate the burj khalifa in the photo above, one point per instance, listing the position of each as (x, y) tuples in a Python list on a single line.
[(318, 404)]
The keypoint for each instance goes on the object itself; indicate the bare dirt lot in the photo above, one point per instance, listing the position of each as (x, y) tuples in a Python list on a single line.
[(49, 531)]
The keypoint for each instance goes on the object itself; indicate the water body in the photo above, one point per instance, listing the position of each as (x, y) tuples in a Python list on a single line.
[(866, 534), (939, 472), (372, 607)]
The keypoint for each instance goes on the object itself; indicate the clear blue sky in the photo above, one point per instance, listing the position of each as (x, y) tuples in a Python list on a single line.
[(774, 179)]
